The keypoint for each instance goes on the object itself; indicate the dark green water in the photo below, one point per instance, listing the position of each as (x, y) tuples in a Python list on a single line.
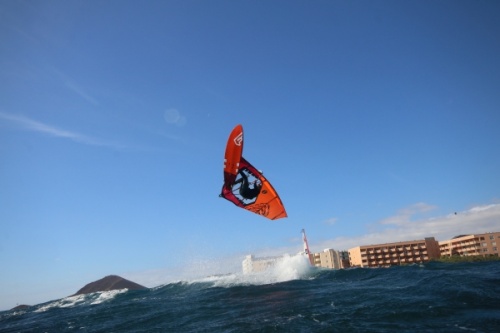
[(436, 297)]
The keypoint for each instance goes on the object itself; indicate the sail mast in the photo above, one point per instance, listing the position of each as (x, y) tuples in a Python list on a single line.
[(306, 246)]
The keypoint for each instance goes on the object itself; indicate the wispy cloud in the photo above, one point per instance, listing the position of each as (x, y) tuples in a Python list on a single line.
[(404, 215), (331, 221), (479, 219), (173, 116), (72, 85), (405, 227), (80, 91), (36, 126)]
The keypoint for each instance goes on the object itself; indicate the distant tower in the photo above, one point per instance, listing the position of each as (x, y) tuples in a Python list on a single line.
[(307, 252)]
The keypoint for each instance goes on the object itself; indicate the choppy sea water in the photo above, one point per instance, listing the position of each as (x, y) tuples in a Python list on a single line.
[(293, 297)]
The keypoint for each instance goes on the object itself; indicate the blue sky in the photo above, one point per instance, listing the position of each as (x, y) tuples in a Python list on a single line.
[(375, 121)]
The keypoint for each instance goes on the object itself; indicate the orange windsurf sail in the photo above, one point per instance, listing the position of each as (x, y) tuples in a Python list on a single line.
[(244, 185)]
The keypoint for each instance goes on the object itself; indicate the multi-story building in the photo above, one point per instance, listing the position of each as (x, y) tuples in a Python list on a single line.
[(390, 254), (471, 245), (330, 258)]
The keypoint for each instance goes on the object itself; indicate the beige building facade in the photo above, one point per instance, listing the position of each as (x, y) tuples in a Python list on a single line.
[(330, 258), (392, 254), (471, 245)]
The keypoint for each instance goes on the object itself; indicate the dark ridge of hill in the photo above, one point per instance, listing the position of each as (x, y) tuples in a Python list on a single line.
[(110, 282), (20, 307)]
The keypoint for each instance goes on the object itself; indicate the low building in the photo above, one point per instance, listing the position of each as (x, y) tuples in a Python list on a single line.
[(330, 258), (253, 265), (391, 254), (471, 245)]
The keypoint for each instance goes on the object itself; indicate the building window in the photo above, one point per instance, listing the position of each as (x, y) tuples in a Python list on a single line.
[(484, 245), (495, 249), (494, 243)]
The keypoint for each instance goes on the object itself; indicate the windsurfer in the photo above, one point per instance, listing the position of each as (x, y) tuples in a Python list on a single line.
[(245, 190)]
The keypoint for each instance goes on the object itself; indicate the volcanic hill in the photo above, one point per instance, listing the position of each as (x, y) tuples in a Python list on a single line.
[(110, 282)]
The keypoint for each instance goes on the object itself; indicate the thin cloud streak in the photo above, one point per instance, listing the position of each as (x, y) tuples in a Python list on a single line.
[(36, 126), (75, 87), (480, 219), (79, 91), (404, 215), (331, 221)]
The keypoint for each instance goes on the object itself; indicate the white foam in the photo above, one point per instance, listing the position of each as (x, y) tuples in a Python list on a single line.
[(107, 295), (292, 268), (285, 269), (72, 301), (67, 302)]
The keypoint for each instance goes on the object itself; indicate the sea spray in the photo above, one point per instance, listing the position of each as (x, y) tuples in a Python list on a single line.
[(285, 268), (290, 297)]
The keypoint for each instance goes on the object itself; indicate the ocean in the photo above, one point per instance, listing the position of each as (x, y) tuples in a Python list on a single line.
[(291, 297)]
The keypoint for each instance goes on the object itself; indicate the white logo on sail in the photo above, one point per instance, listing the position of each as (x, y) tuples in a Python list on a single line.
[(239, 139)]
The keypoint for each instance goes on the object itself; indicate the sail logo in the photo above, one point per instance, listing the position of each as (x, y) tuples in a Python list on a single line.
[(239, 139)]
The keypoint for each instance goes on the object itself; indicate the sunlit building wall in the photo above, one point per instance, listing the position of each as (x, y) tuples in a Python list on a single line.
[(392, 254), (329, 258), (471, 245), (326, 259)]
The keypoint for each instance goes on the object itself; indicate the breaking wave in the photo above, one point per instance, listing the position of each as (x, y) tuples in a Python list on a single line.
[(289, 297), (86, 299), (286, 268)]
